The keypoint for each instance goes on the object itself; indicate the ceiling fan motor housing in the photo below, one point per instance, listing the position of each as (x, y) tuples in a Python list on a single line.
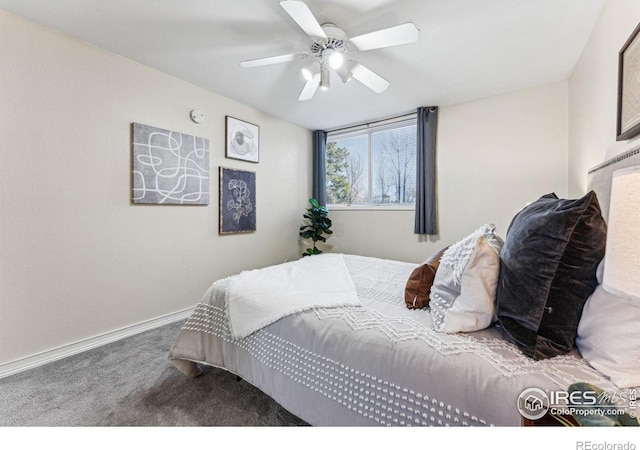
[(336, 40)]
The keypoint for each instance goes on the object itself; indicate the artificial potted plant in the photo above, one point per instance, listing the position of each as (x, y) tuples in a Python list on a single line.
[(318, 224)]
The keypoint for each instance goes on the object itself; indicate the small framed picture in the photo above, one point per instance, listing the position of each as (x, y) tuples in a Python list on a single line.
[(243, 140), (237, 201), (629, 88)]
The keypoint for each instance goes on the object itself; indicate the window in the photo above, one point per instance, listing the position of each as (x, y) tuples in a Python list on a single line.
[(372, 164)]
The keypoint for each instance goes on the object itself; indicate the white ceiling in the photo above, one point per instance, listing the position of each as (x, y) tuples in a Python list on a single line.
[(468, 49)]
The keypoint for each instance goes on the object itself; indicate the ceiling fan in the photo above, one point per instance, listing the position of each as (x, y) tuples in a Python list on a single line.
[(331, 49)]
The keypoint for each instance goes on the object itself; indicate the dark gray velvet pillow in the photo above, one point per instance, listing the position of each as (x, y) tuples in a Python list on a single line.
[(548, 270)]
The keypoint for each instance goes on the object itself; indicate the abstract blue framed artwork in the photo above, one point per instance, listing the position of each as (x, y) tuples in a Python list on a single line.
[(169, 167), (237, 201)]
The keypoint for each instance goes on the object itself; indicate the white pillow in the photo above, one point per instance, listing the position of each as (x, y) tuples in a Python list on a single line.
[(608, 336), (463, 295)]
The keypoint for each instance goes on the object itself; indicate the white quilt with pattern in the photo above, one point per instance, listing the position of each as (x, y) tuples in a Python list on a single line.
[(374, 364)]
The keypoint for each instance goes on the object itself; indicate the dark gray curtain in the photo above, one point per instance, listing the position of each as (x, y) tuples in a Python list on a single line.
[(319, 188), (426, 221)]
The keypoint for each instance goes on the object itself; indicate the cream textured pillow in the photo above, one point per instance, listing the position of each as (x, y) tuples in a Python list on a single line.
[(608, 336), (463, 295)]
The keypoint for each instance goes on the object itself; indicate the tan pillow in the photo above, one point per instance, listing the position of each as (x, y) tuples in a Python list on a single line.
[(416, 292)]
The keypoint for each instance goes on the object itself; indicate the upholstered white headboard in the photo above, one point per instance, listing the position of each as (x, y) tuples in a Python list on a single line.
[(599, 178)]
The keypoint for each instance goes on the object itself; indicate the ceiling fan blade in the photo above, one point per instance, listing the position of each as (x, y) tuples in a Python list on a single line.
[(305, 19), (272, 60), (310, 88), (370, 79), (389, 37)]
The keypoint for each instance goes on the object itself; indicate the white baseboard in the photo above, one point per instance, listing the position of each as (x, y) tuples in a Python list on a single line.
[(40, 359)]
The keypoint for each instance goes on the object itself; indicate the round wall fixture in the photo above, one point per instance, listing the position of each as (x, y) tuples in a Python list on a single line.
[(197, 116)]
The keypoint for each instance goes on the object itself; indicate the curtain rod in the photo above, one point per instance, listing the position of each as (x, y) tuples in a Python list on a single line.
[(368, 124)]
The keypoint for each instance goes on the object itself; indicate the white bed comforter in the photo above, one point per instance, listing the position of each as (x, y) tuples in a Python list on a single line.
[(374, 364)]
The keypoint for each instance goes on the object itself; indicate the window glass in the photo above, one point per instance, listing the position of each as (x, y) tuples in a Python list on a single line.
[(374, 166)]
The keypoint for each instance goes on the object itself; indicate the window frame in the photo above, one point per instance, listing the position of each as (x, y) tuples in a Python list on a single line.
[(369, 129)]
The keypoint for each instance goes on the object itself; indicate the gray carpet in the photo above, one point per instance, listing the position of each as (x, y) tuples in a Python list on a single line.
[(132, 383)]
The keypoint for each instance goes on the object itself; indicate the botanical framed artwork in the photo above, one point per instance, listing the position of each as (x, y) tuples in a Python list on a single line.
[(243, 140), (237, 201), (169, 167), (628, 124)]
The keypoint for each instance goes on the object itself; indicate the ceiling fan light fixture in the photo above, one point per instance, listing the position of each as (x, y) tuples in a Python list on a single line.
[(334, 58), (309, 71), (344, 72), (324, 78)]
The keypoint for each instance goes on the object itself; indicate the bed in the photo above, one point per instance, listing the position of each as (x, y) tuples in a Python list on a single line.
[(334, 339)]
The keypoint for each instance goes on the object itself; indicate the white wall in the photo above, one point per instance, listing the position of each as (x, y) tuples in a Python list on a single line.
[(494, 155), (76, 258), (593, 91)]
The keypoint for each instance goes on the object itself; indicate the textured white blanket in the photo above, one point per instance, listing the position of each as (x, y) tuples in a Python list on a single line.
[(257, 298)]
